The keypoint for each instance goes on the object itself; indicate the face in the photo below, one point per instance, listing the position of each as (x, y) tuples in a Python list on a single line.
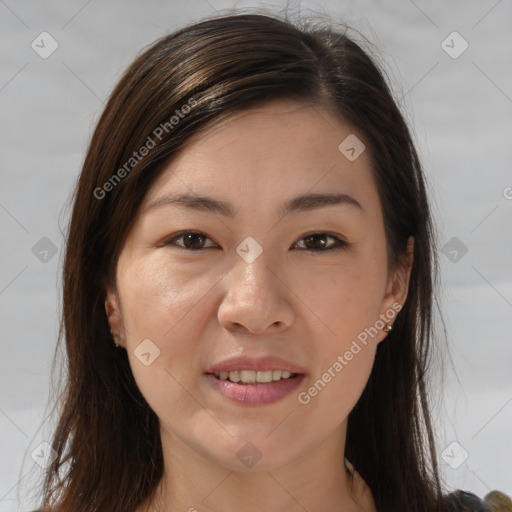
[(305, 290)]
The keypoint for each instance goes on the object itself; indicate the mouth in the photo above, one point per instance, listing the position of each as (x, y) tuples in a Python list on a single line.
[(251, 380), (255, 388)]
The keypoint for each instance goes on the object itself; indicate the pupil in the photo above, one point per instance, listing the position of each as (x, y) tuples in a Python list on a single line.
[(319, 238), (192, 237)]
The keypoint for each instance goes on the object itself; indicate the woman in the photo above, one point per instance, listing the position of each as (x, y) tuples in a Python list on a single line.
[(251, 227)]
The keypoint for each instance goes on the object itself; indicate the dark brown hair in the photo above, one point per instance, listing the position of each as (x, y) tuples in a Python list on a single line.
[(107, 439)]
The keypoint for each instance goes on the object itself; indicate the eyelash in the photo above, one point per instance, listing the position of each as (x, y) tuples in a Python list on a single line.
[(340, 244)]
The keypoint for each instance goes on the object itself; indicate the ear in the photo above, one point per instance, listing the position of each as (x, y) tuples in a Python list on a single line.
[(114, 317), (397, 288)]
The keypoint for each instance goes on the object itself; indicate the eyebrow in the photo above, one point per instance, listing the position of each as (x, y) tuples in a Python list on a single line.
[(305, 202)]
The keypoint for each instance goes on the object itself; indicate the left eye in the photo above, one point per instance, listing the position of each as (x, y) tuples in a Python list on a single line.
[(318, 242), (313, 242)]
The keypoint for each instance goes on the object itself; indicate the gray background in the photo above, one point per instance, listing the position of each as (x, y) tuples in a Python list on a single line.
[(460, 109)]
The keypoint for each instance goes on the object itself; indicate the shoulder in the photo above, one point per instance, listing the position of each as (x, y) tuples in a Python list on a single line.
[(463, 501)]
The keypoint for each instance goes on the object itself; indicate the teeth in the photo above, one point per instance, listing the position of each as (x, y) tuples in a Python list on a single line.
[(264, 376), (248, 376), (234, 376), (252, 377)]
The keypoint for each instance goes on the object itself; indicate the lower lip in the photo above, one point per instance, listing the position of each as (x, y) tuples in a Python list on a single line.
[(255, 394)]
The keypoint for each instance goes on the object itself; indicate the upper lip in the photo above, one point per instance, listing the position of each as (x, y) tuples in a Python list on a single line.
[(257, 364)]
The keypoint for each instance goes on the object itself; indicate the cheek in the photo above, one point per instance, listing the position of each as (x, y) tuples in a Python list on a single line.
[(347, 303), (345, 299), (164, 305), (159, 297), (345, 352)]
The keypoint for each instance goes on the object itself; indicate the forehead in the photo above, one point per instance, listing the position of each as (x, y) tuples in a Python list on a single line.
[(283, 148)]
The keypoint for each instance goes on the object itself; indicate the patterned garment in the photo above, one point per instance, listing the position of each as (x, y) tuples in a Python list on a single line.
[(462, 501)]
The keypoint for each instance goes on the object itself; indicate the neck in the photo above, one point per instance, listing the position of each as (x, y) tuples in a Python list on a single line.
[(317, 480)]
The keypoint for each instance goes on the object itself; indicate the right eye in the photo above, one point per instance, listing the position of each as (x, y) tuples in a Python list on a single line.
[(192, 240)]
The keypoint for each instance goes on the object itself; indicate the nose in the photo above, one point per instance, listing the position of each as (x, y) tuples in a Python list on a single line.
[(256, 298)]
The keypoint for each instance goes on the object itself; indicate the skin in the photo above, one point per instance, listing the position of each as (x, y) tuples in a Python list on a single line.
[(202, 307)]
